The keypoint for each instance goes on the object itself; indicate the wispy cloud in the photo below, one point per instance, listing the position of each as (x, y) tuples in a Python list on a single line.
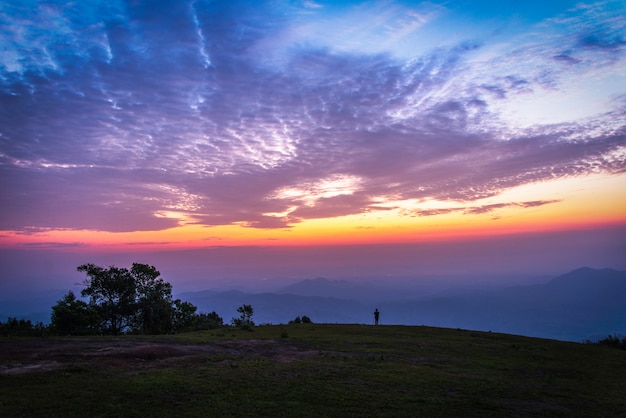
[(115, 114), (53, 245), (476, 210)]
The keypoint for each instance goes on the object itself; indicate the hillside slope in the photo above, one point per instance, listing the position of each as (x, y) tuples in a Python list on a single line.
[(311, 371)]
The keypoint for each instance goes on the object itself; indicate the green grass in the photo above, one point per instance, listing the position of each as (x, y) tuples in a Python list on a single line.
[(336, 371)]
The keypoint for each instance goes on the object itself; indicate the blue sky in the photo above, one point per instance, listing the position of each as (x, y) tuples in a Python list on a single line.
[(189, 124)]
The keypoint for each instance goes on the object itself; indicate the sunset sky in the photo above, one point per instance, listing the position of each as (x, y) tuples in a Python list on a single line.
[(187, 125)]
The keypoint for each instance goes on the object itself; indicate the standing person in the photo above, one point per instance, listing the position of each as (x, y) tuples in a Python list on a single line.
[(376, 316)]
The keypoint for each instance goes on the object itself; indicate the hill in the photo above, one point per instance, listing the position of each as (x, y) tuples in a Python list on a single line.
[(311, 371)]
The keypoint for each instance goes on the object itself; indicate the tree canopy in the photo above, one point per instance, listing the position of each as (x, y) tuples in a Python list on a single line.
[(113, 293), (124, 300), (74, 316)]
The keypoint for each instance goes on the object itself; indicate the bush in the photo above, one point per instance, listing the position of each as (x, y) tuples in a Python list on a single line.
[(301, 320), (206, 321), (615, 341)]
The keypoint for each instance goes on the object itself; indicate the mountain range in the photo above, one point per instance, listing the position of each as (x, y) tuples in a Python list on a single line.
[(583, 304)]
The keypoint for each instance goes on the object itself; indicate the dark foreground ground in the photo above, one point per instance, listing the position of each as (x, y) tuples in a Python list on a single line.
[(311, 370)]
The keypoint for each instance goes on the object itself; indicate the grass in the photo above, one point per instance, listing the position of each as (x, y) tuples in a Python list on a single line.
[(331, 370)]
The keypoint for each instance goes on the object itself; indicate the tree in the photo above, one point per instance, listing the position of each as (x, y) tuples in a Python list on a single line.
[(72, 316), (245, 319), (135, 300), (184, 315), (155, 309), (112, 292)]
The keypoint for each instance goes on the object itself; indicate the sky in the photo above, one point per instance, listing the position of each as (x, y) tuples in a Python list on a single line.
[(188, 129)]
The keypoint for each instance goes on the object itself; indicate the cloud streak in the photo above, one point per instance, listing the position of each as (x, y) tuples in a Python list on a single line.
[(479, 209), (116, 114)]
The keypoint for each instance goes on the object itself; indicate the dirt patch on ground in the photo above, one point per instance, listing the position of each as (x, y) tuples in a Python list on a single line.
[(21, 356)]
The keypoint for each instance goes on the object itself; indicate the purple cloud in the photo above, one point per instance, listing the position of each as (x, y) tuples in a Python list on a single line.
[(112, 116)]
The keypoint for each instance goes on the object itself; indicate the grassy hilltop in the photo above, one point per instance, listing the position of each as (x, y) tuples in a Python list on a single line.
[(310, 370)]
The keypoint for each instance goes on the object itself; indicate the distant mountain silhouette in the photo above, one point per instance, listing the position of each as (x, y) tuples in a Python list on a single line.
[(344, 289), (35, 306), (319, 287), (584, 303), (604, 285)]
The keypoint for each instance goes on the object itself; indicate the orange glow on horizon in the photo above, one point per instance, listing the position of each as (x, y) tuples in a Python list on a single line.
[(565, 204)]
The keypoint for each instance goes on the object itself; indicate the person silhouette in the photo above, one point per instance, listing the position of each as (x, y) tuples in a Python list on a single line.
[(376, 316)]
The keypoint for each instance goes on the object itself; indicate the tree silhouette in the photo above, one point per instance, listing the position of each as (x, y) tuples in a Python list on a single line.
[(72, 316), (136, 300), (112, 292), (245, 318), (154, 300)]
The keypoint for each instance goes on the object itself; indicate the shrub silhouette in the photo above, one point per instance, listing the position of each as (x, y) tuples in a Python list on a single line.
[(245, 319), (23, 328), (617, 341), (301, 320)]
